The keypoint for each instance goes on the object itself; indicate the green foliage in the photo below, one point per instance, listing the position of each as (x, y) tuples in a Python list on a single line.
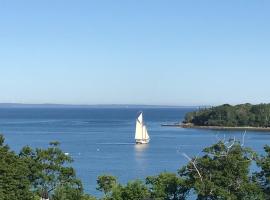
[(134, 190), (48, 169), (88, 197), (70, 192), (232, 116), (14, 184), (66, 192), (222, 173), (263, 177), (106, 183), (167, 186)]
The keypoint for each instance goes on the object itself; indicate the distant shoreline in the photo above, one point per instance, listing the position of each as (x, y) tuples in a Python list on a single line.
[(241, 128), (49, 105)]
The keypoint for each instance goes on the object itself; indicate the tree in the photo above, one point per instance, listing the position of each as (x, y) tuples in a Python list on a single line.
[(167, 186), (70, 192), (14, 183), (106, 183), (263, 177), (134, 190), (49, 169), (227, 115), (222, 173)]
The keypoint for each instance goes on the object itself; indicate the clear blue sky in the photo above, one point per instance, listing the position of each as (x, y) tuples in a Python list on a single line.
[(135, 52)]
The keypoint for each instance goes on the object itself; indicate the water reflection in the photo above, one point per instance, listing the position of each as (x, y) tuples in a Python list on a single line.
[(140, 148), (141, 156)]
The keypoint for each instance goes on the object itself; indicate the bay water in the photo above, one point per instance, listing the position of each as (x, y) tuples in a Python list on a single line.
[(101, 140)]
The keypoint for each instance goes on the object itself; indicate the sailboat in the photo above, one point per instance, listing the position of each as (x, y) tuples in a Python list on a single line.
[(141, 133)]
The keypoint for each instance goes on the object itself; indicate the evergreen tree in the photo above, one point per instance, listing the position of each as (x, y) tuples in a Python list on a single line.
[(14, 183)]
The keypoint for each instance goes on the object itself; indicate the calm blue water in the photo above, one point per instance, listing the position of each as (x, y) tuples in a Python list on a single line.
[(102, 140)]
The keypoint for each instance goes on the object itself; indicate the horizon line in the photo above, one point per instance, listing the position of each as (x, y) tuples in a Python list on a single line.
[(96, 105)]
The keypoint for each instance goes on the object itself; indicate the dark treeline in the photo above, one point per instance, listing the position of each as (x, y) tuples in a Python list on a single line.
[(221, 172), (231, 116)]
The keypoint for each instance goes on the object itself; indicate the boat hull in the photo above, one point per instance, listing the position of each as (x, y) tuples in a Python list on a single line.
[(142, 141)]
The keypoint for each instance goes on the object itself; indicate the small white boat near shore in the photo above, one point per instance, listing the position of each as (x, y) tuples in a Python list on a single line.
[(141, 133)]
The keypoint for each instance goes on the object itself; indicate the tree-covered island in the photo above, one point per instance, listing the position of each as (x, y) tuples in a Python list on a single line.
[(227, 116)]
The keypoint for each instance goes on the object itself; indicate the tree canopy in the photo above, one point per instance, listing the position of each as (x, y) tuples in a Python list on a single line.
[(231, 116), (36, 173), (14, 183), (222, 171)]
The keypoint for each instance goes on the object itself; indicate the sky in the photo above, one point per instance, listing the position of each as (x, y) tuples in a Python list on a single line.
[(203, 52)]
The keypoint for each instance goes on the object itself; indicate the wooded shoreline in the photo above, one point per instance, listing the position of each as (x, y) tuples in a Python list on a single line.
[(240, 128)]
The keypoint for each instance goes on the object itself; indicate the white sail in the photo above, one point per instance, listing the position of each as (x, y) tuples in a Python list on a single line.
[(140, 118), (144, 130), (139, 130), (146, 134), (141, 133)]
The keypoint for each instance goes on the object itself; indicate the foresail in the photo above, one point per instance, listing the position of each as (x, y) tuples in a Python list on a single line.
[(146, 134)]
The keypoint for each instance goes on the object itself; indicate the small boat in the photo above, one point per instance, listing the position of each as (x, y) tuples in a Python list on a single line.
[(141, 133)]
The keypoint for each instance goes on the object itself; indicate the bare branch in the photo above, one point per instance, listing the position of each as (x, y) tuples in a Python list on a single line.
[(243, 139), (194, 165), (230, 146)]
